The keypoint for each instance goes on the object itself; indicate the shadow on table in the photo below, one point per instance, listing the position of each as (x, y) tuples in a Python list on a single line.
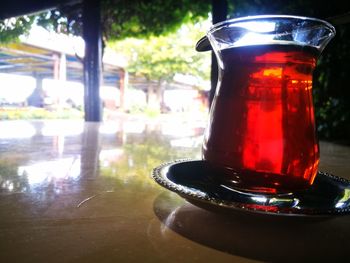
[(272, 239)]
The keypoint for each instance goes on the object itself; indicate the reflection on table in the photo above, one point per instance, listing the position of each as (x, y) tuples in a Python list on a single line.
[(81, 192)]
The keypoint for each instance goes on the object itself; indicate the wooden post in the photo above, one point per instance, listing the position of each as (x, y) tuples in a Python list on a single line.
[(56, 66), (92, 60), (122, 90)]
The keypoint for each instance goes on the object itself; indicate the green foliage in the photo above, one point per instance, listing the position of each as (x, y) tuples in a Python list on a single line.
[(11, 29), (313, 8), (140, 18), (9, 177), (38, 113), (331, 88), (61, 21), (120, 18), (140, 156), (160, 58)]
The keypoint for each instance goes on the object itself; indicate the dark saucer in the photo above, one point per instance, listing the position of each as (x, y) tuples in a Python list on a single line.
[(195, 180)]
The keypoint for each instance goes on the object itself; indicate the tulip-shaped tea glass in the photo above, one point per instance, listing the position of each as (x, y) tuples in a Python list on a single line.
[(261, 127)]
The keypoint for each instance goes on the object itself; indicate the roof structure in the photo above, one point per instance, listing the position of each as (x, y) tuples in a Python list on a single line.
[(30, 60)]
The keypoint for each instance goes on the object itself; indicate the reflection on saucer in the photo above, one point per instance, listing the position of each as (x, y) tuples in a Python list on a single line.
[(205, 186), (268, 239)]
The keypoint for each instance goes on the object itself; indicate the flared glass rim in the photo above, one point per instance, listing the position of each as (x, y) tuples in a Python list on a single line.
[(264, 17)]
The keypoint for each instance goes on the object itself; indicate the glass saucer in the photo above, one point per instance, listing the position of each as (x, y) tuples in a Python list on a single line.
[(195, 181)]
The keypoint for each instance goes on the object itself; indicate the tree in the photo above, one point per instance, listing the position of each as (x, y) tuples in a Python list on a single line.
[(123, 18), (161, 58), (12, 28), (120, 18)]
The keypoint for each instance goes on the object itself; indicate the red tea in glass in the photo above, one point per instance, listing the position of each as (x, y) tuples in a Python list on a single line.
[(261, 124)]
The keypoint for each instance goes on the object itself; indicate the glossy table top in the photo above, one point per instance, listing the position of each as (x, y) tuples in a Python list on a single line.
[(81, 192)]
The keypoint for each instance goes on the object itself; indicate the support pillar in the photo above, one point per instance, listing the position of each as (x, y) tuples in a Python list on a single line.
[(63, 67), (36, 99), (92, 60), (122, 86), (56, 66)]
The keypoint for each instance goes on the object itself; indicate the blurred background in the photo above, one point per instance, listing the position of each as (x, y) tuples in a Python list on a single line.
[(149, 64)]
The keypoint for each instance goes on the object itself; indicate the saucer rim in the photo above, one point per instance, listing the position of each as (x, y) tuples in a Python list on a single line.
[(159, 172)]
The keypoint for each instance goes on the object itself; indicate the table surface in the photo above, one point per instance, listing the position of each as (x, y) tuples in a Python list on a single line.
[(81, 192)]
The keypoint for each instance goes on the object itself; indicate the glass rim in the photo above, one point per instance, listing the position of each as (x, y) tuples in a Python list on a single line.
[(218, 25)]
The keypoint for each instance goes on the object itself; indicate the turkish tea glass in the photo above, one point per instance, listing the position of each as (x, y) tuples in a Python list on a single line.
[(261, 126)]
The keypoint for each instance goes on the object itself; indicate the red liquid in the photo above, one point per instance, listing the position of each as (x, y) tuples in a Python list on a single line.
[(262, 120)]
